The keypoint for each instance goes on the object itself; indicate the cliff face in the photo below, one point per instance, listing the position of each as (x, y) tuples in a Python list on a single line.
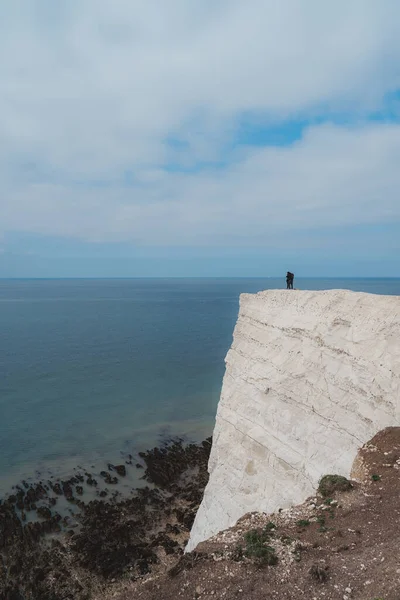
[(310, 377)]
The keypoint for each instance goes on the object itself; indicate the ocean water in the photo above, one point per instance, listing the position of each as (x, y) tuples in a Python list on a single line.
[(91, 369)]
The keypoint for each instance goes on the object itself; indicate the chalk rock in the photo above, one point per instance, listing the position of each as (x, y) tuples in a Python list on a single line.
[(310, 377)]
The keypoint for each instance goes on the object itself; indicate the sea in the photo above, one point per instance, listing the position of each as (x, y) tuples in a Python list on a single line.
[(94, 370)]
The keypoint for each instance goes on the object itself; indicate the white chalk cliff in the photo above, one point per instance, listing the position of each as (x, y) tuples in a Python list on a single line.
[(310, 377)]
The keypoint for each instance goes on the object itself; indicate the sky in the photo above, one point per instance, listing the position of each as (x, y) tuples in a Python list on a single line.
[(199, 138)]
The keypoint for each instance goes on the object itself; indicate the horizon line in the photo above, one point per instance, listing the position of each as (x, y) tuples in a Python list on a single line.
[(128, 278)]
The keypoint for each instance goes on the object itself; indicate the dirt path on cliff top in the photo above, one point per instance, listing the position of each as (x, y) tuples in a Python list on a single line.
[(344, 547)]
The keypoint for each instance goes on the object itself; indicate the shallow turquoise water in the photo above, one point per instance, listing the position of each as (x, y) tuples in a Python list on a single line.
[(90, 368)]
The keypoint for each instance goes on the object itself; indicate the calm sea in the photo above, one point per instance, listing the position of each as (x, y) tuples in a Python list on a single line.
[(91, 369)]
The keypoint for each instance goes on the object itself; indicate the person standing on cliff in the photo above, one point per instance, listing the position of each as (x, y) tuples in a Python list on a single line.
[(289, 280)]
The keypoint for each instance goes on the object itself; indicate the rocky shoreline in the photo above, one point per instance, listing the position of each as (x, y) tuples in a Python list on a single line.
[(340, 544), (104, 542)]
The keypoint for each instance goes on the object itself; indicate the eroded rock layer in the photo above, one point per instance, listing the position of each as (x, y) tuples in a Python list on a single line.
[(310, 377)]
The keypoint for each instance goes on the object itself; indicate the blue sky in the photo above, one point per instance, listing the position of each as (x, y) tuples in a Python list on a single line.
[(209, 138)]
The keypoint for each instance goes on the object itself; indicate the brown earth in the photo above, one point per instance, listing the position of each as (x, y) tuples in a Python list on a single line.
[(344, 547)]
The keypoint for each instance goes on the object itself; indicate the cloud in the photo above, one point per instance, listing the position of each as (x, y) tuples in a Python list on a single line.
[(119, 119)]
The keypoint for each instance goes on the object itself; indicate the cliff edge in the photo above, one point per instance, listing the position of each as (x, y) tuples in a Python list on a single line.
[(310, 377)]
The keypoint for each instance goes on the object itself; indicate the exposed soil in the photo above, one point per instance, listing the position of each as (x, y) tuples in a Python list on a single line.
[(339, 547)]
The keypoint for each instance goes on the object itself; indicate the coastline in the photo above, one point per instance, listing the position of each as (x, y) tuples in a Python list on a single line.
[(64, 544)]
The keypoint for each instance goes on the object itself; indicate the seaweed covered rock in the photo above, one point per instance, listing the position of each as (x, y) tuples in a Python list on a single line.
[(99, 541)]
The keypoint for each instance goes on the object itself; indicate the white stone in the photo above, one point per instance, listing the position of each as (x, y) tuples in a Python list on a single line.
[(310, 377)]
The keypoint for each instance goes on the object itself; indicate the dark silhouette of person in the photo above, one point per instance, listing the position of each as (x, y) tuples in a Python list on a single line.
[(289, 280)]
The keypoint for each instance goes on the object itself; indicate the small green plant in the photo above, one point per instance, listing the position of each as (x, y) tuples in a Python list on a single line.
[(287, 540), (328, 501), (303, 523), (376, 477), (333, 483), (257, 546)]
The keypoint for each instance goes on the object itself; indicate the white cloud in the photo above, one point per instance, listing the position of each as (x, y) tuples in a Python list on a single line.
[(92, 90)]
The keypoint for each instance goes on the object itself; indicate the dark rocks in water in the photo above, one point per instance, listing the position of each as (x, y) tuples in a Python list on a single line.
[(67, 490), (165, 466), (90, 480), (69, 522), (44, 512), (38, 491), (120, 469), (108, 479), (20, 500), (128, 523), (52, 501), (109, 539), (57, 489), (139, 466)]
